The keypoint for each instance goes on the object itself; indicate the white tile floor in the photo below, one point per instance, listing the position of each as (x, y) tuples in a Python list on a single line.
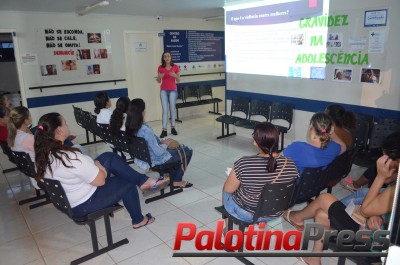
[(46, 236)]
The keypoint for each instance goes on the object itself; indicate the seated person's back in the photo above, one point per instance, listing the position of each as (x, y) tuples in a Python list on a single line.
[(319, 150), (250, 174), (103, 109)]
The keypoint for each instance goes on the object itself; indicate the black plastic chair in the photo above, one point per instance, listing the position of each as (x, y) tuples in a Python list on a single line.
[(106, 135), (7, 151), (339, 168), (394, 122), (191, 95), (274, 198), (26, 166), (60, 201), (282, 111), (240, 106), (206, 97), (360, 135), (137, 148), (310, 184), (258, 108), (88, 123), (369, 155)]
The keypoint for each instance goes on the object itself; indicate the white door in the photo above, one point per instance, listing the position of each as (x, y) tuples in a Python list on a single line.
[(143, 50)]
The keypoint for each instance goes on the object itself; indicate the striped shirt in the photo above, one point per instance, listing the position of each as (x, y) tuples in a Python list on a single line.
[(252, 173)]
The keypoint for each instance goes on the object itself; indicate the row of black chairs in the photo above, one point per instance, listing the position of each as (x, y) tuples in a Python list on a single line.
[(248, 113), (134, 147), (53, 192), (196, 95), (280, 197), (87, 121), (368, 137), (137, 148)]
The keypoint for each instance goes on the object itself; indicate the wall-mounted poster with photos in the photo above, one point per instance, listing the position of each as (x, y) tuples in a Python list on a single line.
[(73, 54)]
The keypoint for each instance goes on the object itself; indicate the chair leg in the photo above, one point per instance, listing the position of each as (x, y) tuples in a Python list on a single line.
[(10, 170), (177, 116), (38, 196), (96, 251), (227, 131)]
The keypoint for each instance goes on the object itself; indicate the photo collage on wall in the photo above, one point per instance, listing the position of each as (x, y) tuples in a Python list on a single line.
[(72, 53)]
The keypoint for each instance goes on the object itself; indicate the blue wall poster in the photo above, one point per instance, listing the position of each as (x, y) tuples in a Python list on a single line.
[(196, 51)]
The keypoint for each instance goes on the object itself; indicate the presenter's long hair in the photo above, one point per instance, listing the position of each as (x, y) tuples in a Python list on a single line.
[(163, 64)]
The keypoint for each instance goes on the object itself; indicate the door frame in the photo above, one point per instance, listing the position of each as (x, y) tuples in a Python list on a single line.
[(18, 63), (127, 33)]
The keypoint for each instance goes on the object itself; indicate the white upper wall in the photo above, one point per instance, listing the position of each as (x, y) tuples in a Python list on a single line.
[(25, 24)]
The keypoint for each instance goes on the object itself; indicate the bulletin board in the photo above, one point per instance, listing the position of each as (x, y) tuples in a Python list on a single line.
[(196, 51), (73, 54)]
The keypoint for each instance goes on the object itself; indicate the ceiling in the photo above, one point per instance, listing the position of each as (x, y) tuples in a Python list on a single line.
[(166, 8)]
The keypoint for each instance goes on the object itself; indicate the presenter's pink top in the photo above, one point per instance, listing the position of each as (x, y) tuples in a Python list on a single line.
[(168, 82)]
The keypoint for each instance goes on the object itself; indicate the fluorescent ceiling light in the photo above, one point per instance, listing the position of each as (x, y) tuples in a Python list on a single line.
[(84, 10)]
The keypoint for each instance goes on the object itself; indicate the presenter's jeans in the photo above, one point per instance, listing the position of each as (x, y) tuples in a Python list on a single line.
[(168, 99)]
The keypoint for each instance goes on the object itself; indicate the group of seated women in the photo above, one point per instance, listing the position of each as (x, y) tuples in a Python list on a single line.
[(89, 186), (328, 136)]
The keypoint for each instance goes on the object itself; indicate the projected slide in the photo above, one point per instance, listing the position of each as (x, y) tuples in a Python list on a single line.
[(276, 38)]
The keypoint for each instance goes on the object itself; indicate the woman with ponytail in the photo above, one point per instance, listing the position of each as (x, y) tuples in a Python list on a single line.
[(319, 150), (242, 188), (343, 122), (85, 181), (118, 118)]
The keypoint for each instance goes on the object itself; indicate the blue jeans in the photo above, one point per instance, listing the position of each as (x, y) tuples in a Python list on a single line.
[(177, 172), (358, 196), (168, 97), (120, 186), (236, 211)]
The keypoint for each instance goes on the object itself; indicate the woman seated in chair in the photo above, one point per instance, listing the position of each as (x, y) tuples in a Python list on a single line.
[(85, 181), (4, 115), (118, 117), (102, 108), (242, 189), (20, 137), (318, 151), (327, 210), (159, 152), (343, 121)]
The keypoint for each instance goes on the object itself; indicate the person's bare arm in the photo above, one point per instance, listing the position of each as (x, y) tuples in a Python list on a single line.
[(100, 179), (376, 203), (231, 183)]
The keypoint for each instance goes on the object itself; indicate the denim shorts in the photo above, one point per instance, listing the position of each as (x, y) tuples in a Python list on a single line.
[(236, 211)]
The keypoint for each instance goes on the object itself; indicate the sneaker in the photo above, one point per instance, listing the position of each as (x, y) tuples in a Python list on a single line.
[(347, 183), (163, 134), (174, 132)]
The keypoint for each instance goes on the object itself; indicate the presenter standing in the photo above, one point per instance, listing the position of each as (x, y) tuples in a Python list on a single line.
[(168, 75)]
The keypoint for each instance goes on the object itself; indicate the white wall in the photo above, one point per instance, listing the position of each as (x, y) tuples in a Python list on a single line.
[(25, 24)]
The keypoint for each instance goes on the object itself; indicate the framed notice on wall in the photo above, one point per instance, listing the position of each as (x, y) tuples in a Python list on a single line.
[(70, 54), (196, 51)]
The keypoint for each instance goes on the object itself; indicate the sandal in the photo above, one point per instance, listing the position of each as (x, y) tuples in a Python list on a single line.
[(159, 184), (185, 185), (286, 216), (150, 220)]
